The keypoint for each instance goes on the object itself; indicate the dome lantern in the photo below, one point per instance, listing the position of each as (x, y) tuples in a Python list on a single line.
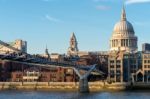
[(123, 15)]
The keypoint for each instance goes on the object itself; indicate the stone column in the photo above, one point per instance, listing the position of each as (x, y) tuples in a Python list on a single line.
[(125, 42)]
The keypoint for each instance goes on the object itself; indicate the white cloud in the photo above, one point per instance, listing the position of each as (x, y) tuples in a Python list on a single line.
[(136, 1), (102, 7), (50, 18)]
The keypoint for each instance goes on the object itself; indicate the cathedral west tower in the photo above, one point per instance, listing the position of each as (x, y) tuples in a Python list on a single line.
[(123, 36), (73, 48)]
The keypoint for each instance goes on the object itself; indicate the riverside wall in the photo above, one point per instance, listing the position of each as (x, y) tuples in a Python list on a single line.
[(60, 86)]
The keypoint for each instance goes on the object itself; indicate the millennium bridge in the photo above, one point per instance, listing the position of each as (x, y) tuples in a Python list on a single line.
[(33, 60)]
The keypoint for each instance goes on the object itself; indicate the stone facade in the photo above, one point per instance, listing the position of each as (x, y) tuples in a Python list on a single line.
[(146, 47), (146, 67), (17, 44), (122, 66)]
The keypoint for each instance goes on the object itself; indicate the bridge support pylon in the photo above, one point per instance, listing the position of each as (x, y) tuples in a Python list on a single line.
[(83, 85), (83, 81)]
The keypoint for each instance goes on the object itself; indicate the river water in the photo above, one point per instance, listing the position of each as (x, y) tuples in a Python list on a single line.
[(73, 95)]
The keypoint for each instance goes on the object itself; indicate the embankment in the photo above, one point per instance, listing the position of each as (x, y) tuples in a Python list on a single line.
[(59, 86)]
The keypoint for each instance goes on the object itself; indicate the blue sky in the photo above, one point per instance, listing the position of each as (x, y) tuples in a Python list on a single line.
[(51, 22)]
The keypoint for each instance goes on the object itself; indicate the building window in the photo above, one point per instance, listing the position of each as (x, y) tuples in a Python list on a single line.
[(18, 75), (118, 79), (133, 66), (111, 66), (118, 61), (118, 66), (146, 72), (111, 73), (118, 72), (145, 61), (111, 61), (126, 56), (133, 61)]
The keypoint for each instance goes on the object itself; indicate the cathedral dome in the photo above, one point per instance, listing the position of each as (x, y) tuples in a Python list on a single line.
[(124, 26), (123, 37)]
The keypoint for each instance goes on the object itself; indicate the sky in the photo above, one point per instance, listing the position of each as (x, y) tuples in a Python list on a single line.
[(51, 22)]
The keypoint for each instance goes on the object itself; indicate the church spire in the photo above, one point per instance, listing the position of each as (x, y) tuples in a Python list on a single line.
[(123, 14), (46, 51)]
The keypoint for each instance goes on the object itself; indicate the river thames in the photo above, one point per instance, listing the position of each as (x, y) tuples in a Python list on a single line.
[(73, 95)]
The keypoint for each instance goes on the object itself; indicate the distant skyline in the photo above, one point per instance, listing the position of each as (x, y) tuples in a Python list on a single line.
[(51, 22)]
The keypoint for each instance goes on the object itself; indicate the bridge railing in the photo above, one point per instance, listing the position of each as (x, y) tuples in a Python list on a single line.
[(21, 57), (34, 58)]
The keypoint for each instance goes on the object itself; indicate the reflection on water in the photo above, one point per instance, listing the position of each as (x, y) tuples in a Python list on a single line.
[(72, 95)]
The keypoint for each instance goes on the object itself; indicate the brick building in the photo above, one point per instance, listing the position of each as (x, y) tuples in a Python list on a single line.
[(10, 71)]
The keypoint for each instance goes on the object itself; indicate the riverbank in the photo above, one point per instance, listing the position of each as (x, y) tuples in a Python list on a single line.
[(60, 86), (69, 86)]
